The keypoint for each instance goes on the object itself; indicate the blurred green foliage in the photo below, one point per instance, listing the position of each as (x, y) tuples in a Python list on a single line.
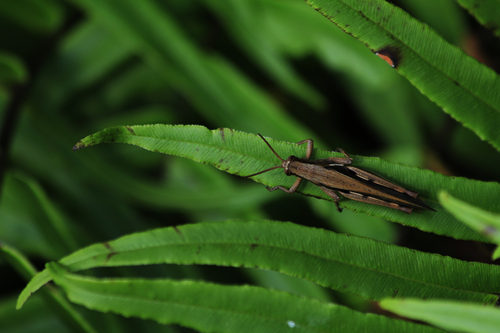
[(276, 67)]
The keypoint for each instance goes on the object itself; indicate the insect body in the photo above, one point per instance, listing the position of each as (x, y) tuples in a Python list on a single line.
[(336, 176)]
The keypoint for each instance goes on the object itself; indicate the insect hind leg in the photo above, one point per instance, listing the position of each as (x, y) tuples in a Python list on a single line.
[(309, 148), (375, 201), (331, 193)]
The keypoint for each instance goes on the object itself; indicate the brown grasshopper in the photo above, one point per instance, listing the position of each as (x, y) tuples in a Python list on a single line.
[(335, 175)]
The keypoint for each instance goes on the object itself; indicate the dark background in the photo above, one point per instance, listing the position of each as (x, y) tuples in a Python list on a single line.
[(64, 74)]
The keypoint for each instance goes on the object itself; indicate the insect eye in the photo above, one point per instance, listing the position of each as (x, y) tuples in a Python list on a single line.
[(286, 166)]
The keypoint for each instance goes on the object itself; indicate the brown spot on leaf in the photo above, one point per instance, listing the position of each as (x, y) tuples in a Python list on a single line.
[(221, 131), (110, 255), (489, 230), (253, 246), (130, 129), (177, 230), (391, 55)]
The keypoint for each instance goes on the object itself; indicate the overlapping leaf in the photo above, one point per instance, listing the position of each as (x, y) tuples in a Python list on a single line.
[(487, 12), (240, 16), (216, 88), (452, 316), (37, 16), (12, 69), (484, 222), (243, 154), (21, 264), (358, 265), (214, 308), (25, 220), (459, 84)]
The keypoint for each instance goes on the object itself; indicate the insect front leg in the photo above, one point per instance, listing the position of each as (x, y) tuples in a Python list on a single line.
[(340, 150), (310, 146), (341, 160), (292, 188), (331, 193)]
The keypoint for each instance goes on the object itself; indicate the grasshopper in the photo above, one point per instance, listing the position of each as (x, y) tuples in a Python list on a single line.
[(337, 177)]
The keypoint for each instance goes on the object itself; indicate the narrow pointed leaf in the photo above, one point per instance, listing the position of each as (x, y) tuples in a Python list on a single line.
[(484, 222), (209, 307), (41, 17), (453, 316), (36, 317), (17, 260), (22, 265), (459, 84), (451, 26), (243, 154), (496, 253), (12, 69), (240, 17), (58, 224), (213, 85), (347, 263), (487, 12), (24, 222), (84, 58)]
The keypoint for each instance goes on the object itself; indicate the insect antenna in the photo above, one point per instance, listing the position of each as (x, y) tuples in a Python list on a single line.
[(267, 143), (258, 173), (274, 152)]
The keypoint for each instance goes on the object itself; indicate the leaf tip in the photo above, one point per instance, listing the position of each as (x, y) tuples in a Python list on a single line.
[(496, 253), (23, 297), (79, 145)]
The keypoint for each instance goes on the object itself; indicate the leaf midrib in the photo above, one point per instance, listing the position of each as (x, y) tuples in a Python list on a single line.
[(314, 255), (125, 298), (195, 143)]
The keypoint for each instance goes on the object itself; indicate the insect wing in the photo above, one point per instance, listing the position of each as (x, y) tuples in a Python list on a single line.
[(386, 190)]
